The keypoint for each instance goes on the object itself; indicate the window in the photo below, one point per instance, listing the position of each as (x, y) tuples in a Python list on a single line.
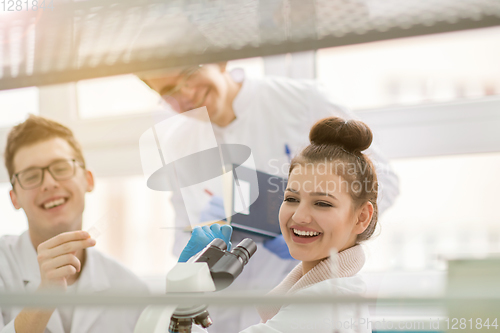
[(16, 104), (414, 70), (13, 221), (447, 208), (252, 67), (116, 95), (142, 236)]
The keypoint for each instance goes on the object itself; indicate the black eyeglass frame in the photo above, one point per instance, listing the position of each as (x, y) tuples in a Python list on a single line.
[(185, 76), (16, 175)]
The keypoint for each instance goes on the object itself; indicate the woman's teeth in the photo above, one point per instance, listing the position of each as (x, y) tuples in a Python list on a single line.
[(54, 203), (305, 233)]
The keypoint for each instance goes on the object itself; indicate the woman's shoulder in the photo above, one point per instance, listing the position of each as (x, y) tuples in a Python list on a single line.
[(345, 285)]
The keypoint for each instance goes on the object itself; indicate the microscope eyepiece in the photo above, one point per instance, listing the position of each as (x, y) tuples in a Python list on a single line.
[(218, 243), (230, 265), (245, 250)]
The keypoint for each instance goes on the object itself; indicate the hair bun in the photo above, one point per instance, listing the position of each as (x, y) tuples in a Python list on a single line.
[(353, 135)]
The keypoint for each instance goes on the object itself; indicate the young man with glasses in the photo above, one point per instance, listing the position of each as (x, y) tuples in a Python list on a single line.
[(272, 116), (49, 181)]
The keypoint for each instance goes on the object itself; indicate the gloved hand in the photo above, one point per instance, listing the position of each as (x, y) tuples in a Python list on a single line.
[(278, 246), (202, 236), (214, 210)]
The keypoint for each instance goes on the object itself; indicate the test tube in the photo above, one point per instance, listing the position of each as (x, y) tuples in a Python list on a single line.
[(102, 225)]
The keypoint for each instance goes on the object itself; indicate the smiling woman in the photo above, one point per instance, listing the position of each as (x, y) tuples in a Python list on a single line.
[(330, 204), (331, 199)]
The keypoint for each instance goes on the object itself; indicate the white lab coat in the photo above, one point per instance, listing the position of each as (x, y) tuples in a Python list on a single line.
[(19, 272), (270, 113), (319, 318)]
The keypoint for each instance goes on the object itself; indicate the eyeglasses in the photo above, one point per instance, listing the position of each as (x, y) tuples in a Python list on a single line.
[(185, 76), (33, 177)]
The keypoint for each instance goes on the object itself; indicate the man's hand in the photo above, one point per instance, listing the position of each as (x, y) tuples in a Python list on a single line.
[(57, 258)]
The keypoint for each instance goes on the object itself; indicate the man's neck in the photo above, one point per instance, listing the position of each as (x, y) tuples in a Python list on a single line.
[(232, 91)]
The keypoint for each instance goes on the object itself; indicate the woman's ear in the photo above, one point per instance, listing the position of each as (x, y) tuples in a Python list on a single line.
[(90, 180), (364, 217)]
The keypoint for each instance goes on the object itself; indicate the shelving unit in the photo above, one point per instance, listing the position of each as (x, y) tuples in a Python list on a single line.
[(96, 38)]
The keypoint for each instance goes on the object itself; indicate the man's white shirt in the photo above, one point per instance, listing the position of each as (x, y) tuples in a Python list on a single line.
[(19, 272)]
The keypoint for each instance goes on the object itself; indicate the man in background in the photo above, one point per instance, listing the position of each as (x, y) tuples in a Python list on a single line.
[(49, 182)]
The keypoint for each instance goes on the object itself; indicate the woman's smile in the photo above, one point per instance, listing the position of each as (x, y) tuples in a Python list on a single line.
[(304, 235)]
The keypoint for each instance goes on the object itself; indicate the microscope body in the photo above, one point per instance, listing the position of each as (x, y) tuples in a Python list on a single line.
[(211, 270)]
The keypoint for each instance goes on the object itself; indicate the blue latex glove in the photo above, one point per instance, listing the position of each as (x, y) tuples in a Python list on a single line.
[(214, 210), (202, 236), (278, 246)]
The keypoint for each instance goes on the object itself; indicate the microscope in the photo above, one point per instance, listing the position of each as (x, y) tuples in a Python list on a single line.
[(212, 269)]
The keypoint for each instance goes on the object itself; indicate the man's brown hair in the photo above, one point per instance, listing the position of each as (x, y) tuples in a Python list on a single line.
[(33, 130)]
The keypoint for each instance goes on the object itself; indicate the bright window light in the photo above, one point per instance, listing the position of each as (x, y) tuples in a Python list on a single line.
[(424, 69), (446, 209), (13, 221), (113, 96), (16, 104)]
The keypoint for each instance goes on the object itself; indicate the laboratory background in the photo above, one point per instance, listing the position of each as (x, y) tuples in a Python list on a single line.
[(432, 100)]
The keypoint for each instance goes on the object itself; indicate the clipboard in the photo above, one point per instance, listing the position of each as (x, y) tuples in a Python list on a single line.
[(261, 217)]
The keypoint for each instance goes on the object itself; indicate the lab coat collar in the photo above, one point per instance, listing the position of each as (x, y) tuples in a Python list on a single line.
[(28, 263), (92, 280), (30, 273), (242, 102), (245, 97)]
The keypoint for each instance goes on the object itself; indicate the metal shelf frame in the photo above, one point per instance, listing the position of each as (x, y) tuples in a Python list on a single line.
[(90, 39)]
